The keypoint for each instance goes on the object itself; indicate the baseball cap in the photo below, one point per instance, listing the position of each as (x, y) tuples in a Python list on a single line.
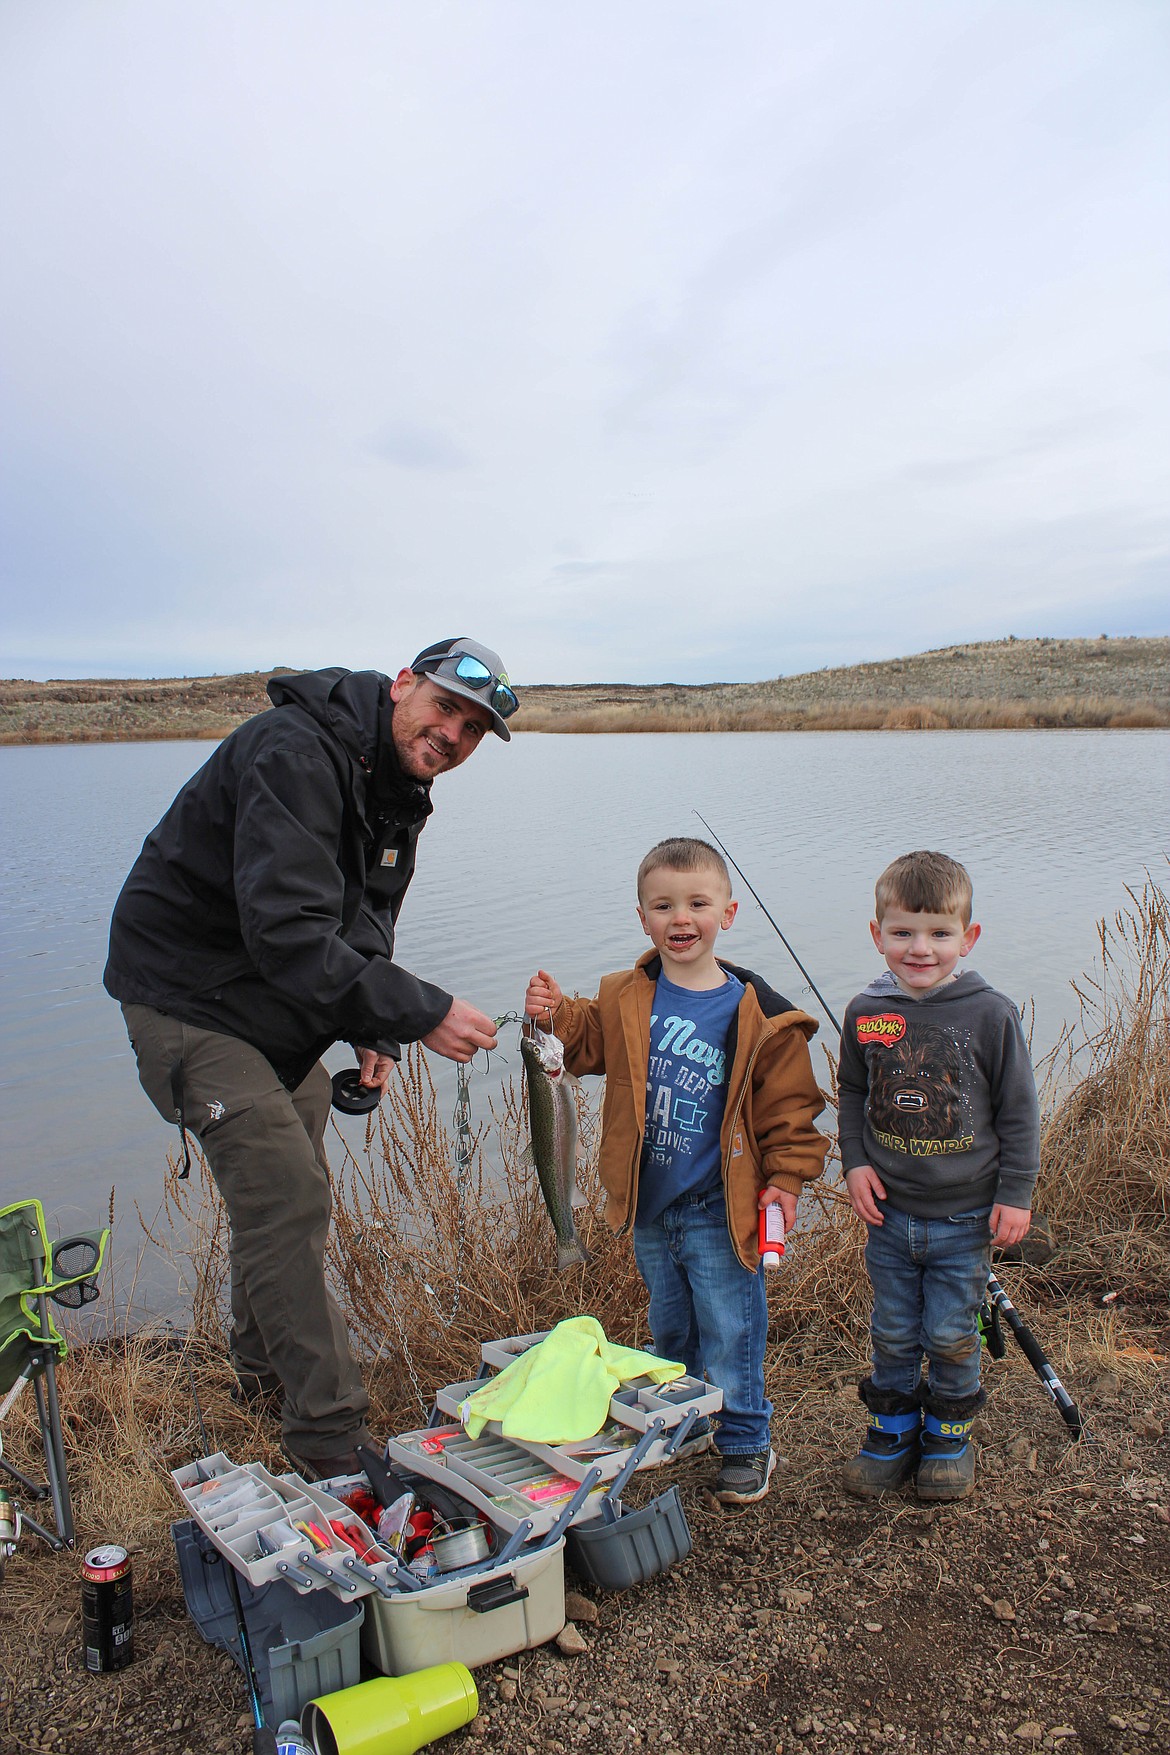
[(464, 667)]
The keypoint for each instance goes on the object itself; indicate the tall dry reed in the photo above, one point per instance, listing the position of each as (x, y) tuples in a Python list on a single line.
[(1105, 1177), (432, 1258), (928, 714)]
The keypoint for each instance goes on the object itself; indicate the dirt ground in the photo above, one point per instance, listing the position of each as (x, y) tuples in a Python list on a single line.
[(1033, 1615)]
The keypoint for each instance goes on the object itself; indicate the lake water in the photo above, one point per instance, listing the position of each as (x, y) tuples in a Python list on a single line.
[(530, 859)]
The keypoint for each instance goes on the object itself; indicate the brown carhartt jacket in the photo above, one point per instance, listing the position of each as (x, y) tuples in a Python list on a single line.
[(768, 1133)]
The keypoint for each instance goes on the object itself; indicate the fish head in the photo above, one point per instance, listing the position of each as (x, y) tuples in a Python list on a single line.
[(544, 1051)]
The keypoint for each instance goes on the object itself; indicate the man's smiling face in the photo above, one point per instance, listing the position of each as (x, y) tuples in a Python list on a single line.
[(433, 730)]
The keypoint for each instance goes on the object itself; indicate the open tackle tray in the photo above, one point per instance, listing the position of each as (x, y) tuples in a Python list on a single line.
[(511, 1480), (251, 1516), (510, 1483), (636, 1404), (630, 1411)]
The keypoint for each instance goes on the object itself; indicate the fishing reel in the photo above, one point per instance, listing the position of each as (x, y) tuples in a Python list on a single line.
[(9, 1526), (350, 1096)]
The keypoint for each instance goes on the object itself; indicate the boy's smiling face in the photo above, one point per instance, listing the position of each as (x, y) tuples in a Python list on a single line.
[(922, 950), (683, 913)]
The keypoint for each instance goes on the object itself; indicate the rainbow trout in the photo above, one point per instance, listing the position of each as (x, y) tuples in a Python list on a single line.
[(552, 1122)]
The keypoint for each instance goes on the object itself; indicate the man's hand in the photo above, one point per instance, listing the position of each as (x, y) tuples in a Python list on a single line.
[(787, 1204), (543, 996), (376, 1069), (865, 1190), (461, 1033), (1010, 1224)]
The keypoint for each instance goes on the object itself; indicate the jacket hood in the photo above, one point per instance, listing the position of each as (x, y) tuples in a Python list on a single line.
[(885, 986), (346, 702), (355, 707)]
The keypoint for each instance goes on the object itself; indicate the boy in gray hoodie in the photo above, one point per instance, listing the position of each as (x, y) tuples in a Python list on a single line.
[(940, 1142)]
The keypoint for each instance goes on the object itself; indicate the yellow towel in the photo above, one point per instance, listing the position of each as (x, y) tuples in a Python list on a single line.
[(559, 1390)]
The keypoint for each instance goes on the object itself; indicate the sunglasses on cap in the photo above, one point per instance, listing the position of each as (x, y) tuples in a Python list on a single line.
[(474, 674)]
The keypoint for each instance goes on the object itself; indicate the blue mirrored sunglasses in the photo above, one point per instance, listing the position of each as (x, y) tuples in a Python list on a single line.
[(476, 675)]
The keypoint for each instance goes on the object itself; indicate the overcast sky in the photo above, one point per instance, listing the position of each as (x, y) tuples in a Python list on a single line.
[(642, 339)]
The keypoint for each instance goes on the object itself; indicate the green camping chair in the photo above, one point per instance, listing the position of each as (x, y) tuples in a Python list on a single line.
[(34, 1270)]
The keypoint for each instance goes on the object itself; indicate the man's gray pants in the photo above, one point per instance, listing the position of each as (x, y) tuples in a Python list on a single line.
[(265, 1146)]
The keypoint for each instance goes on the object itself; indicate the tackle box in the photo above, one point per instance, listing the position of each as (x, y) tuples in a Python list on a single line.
[(473, 1618), (638, 1545), (637, 1402), (250, 1515), (635, 1405), (503, 1352), (508, 1482), (302, 1645), (606, 1447)]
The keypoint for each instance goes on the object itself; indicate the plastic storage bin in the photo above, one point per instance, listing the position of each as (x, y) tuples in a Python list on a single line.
[(638, 1546), (473, 1618), (302, 1645)]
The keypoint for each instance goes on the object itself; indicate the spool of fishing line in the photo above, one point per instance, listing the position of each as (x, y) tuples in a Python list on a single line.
[(457, 1547)]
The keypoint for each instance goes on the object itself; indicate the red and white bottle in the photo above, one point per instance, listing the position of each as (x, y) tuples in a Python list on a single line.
[(771, 1234)]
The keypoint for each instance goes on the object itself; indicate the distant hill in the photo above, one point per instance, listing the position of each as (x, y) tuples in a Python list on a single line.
[(992, 683)]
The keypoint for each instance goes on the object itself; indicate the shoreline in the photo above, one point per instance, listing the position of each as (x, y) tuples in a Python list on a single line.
[(1008, 685), (1148, 719)]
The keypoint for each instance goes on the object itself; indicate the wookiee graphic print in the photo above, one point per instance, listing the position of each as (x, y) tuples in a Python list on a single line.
[(917, 1098)]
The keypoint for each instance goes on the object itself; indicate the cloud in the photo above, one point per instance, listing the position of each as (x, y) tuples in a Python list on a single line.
[(413, 446), (644, 342)]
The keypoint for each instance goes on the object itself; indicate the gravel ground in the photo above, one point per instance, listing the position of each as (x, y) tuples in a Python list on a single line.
[(1033, 1615)]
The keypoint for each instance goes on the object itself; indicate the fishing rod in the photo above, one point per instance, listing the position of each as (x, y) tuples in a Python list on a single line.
[(1036, 1356), (998, 1299), (729, 856), (263, 1739)]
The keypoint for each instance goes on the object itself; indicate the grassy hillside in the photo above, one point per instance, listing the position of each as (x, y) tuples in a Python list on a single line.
[(1005, 683)]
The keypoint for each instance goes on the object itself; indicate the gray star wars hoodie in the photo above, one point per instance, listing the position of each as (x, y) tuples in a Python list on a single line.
[(937, 1095)]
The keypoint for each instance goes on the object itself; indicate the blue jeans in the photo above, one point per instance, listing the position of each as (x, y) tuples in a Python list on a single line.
[(710, 1312), (929, 1277)]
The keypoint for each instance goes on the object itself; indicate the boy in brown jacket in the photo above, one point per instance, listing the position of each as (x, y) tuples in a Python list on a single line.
[(709, 1115)]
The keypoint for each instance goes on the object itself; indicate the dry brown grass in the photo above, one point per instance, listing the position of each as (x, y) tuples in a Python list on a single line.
[(1138, 719), (429, 1263), (915, 718), (998, 684), (1105, 1176), (432, 1261), (937, 714)]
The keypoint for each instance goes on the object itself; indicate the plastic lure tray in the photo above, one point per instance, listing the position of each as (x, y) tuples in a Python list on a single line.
[(636, 1404), (250, 1516), (508, 1482)]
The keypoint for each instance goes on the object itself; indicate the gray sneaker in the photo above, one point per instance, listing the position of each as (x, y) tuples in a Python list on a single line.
[(744, 1479), (698, 1439)]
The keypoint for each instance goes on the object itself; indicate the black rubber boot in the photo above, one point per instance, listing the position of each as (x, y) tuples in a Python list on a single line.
[(947, 1468), (890, 1450)]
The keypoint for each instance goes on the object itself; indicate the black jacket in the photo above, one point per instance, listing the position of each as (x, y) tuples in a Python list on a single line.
[(263, 904)]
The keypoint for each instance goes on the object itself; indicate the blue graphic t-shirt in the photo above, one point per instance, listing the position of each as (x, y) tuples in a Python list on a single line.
[(686, 1086)]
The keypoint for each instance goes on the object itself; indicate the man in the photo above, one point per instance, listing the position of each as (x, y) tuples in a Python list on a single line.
[(257, 928)]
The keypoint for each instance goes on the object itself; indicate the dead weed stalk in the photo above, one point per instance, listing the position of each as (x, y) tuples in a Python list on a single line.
[(431, 1261), (1105, 1175)]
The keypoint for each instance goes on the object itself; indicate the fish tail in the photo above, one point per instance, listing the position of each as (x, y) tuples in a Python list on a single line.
[(568, 1254)]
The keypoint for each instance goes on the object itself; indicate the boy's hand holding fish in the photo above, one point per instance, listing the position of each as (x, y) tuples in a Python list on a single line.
[(543, 995), (552, 1117)]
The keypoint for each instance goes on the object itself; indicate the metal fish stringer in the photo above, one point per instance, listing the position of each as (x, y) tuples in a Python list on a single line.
[(461, 1124)]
